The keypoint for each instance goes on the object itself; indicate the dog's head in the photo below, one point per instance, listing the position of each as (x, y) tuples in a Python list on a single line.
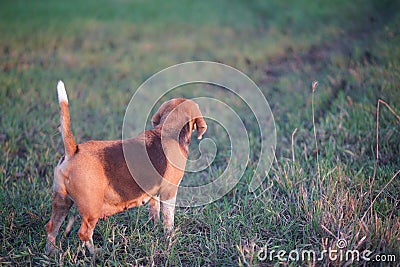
[(180, 115)]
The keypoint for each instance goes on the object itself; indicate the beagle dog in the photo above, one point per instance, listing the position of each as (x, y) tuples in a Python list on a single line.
[(106, 177)]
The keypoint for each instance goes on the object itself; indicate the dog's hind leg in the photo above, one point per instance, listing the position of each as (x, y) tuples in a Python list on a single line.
[(70, 223), (60, 206), (86, 232)]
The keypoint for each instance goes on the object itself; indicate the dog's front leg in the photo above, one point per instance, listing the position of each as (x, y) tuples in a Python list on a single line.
[(154, 209), (168, 209)]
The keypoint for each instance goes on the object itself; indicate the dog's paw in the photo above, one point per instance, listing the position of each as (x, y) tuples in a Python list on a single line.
[(92, 248), (51, 249)]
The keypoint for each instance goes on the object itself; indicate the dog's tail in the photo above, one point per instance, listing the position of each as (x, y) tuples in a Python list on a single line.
[(67, 136)]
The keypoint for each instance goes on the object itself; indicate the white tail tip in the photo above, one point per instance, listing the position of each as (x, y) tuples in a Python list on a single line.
[(62, 94)]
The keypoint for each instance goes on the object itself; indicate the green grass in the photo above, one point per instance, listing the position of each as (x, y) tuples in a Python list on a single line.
[(103, 50)]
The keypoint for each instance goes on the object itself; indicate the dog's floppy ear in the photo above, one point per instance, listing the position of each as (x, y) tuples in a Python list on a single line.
[(201, 126), (199, 122)]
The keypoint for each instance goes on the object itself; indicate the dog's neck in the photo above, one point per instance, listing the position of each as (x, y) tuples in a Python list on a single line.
[(184, 135)]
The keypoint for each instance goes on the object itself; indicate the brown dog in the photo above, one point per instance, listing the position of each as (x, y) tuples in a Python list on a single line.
[(106, 177)]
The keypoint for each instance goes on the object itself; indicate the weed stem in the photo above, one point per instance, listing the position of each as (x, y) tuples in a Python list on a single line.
[(314, 85)]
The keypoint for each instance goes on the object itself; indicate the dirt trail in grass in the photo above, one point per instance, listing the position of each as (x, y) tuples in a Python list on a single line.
[(356, 48), (347, 69), (316, 60)]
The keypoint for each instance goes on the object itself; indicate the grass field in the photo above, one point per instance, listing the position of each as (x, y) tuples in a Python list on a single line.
[(104, 50)]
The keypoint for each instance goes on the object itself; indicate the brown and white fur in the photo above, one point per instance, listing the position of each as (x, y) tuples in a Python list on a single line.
[(100, 180)]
